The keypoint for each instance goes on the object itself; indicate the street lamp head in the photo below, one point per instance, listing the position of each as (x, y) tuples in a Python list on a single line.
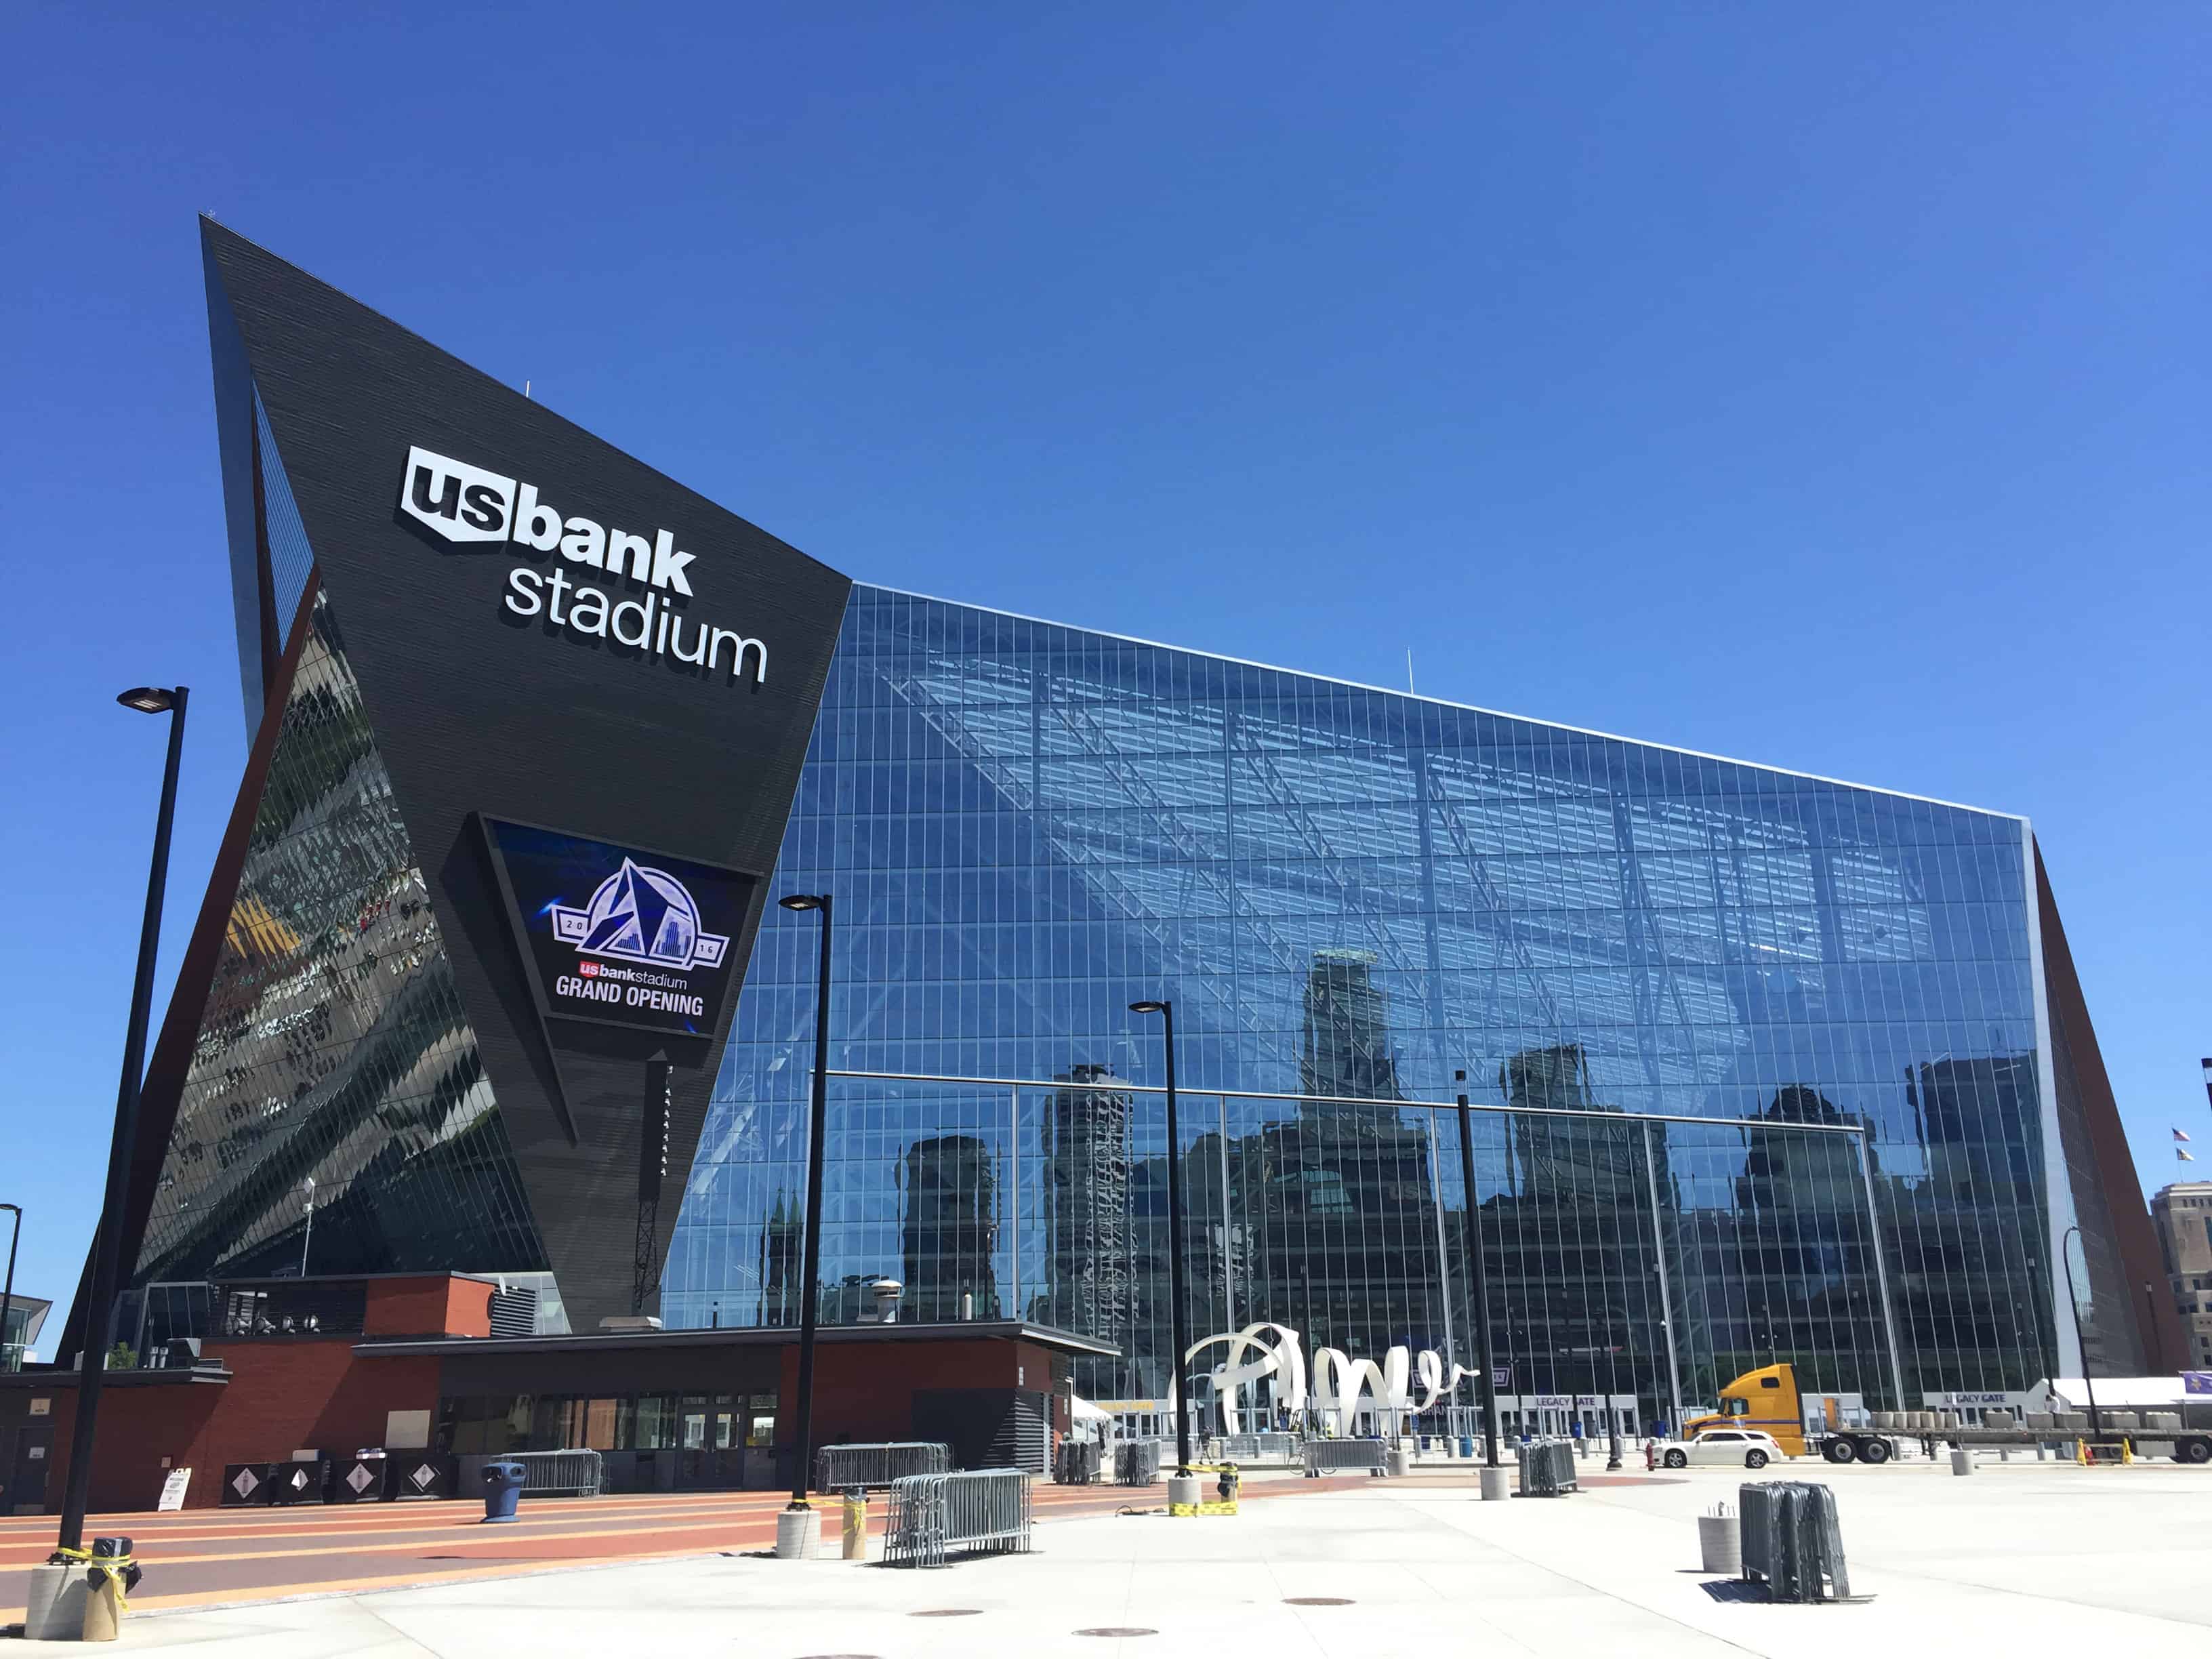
[(1148, 1008), (801, 900), (148, 699)]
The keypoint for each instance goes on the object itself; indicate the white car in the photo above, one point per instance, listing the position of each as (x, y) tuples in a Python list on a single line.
[(1746, 1448)]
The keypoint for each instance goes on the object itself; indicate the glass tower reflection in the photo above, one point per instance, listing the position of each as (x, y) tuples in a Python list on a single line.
[(1350, 893)]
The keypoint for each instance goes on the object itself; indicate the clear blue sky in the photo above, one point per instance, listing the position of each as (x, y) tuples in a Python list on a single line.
[(1825, 386)]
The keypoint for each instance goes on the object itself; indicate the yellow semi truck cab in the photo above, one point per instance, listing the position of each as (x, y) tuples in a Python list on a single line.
[(1766, 1399)]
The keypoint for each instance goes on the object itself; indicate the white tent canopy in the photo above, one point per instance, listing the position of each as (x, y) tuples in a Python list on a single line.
[(1081, 1410)]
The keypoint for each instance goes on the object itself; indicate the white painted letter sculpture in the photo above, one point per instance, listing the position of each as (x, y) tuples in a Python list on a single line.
[(1275, 1352)]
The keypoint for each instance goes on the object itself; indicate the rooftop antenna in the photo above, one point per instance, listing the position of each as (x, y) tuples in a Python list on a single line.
[(525, 388), (1409, 670)]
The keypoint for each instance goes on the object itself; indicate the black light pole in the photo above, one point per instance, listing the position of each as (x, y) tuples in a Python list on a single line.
[(1478, 1279), (810, 1255), (8, 1294), (1179, 1334), (108, 1244), (2096, 1421)]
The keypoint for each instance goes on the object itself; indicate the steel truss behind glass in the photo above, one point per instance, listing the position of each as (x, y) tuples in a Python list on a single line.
[(1350, 894)]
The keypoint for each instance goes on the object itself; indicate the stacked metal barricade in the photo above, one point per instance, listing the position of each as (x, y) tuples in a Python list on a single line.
[(1547, 1468), (1345, 1458), (1077, 1463), (1137, 1462), (1791, 1541), (933, 1517), (877, 1463)]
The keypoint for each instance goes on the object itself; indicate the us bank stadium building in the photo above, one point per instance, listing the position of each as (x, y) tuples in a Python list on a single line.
[(1761, 1065)]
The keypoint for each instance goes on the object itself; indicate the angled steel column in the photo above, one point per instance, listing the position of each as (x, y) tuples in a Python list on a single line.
[(1666, 1291), (1880, 1270)]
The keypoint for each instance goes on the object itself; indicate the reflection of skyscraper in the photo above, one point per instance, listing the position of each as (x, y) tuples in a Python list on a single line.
[(1345, 1049), (1344, 1245), (1565, 1160), (1086, 1151), (782, 1244), (950, 1227)]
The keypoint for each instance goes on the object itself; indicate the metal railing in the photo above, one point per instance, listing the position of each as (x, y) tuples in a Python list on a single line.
[(1345, 1458), (879, 1462), (1137, 1462), (935, 1515), (575, 1473), (1791, 1541), (1547, 1467)]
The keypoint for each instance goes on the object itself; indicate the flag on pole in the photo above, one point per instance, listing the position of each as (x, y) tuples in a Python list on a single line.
[(2182, 1156), (2181, 1134)]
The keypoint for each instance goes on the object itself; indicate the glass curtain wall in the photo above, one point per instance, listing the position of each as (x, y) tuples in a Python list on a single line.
[(1350, 894)]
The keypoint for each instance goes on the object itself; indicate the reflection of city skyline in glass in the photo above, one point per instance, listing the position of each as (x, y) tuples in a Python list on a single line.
[(1352, 894)]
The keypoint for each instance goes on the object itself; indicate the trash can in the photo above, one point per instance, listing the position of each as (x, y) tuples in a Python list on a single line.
[(502, 1490), (1467, 1445)]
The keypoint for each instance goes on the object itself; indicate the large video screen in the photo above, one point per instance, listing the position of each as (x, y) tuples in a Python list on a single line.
[(619, 935)]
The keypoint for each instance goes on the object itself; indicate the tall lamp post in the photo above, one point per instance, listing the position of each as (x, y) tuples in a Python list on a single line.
[(107, 1248), (802, 1519), (2089, 1383), (1180, 1333), (1478, 1279), (7, 1293)]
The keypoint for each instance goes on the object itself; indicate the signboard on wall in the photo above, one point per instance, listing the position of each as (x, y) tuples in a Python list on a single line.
[(172, 1489), (617, 935)]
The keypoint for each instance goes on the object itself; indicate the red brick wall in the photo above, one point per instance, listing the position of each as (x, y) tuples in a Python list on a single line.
[(283, 1395), (439, 1306)]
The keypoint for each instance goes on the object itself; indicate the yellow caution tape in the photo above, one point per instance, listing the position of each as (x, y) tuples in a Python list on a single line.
[(112, 1566)]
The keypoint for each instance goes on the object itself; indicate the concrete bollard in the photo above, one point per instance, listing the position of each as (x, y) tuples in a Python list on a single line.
[(1962, 1461), (1496, 1483), (798, 1534), (1183, 1490), (1720, 1544), (1400, 1461), (55, 1611)]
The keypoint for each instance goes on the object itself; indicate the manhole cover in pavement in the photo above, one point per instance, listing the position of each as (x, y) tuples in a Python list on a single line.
[(1317, 1601), (1119, 1630), (945, 1613)]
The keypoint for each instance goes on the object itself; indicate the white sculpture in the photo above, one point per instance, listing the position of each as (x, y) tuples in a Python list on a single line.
[(1337, 1380)]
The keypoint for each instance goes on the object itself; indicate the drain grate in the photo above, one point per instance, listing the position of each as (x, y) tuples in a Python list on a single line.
[(945, 1613), (1317, 1601), (1119, 1630)]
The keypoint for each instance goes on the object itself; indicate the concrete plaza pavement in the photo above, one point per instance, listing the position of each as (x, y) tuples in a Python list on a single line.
[(2021, 1558)]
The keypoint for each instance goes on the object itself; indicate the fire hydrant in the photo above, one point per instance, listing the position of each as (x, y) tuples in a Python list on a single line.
[(1651, 1453)]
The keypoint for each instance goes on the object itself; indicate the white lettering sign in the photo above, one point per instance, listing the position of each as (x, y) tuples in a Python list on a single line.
[(463, 504)]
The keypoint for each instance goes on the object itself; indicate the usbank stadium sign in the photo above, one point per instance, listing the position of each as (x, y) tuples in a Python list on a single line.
[(465, 504), (616, 935)]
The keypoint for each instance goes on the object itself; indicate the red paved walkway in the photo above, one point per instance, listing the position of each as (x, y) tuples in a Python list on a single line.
[(204, 1556)]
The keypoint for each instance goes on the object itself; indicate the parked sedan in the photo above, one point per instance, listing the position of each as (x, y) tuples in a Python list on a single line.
[(1748, 1448)]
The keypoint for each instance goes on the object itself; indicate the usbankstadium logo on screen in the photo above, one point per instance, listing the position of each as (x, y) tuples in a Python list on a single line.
[(465, 504)]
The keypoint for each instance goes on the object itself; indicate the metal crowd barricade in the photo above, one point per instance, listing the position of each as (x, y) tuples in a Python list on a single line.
[(1137, 1462), (1077, 1464), (878, 1462), (1277, 1448), (1792, 1542), (934, 1516), (1547, 1468), (576, 1473), (1345, 1456), (1240, 1448)]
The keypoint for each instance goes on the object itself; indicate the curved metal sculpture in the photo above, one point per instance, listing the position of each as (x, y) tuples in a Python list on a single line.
[(1338, 1381)]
